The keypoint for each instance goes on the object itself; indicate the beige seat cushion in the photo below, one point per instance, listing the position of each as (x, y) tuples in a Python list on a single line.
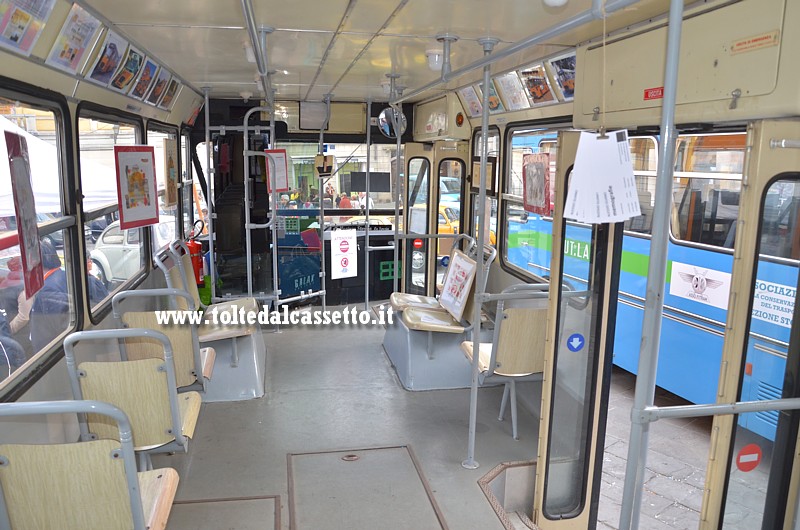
[(431, 320), (402, 301), (484, 358)]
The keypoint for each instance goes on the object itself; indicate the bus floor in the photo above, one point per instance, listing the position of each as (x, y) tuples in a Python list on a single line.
[(333, 389)]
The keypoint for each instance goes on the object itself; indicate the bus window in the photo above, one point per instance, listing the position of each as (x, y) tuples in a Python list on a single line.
[(527, 236), (165, 146), (766, 366), (708, 176), (29, 324), (490, 207), (644, 158), (112, 261)]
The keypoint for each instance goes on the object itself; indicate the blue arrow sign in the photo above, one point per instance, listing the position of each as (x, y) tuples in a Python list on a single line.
[(575, 342)]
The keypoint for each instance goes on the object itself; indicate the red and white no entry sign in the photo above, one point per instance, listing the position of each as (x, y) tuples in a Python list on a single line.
[(748, 457), (344, 245), (417, 243)]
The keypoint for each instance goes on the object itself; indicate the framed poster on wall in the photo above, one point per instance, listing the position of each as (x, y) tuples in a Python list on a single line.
[(563, 68), (491, 177), (137, 195)]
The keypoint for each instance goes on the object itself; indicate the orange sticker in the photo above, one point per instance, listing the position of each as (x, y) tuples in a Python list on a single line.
[(765, 40)]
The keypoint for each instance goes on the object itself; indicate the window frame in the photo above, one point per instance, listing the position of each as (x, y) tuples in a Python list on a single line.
[(20, 381), (89, 110)]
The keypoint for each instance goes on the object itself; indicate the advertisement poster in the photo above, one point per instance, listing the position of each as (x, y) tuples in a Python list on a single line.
[(344, 254), (147, 76), (512, 91), (25, 208), (122, 81), (195, 113), (170, 172), (159, 87), (77, 34), (564, 73), (495, 105), (136, 185), (111, 53), (537, 85), (707, 286), (21, 22), (472, 101), (280, 176), (457, 284), (536, 183), (169, 95)]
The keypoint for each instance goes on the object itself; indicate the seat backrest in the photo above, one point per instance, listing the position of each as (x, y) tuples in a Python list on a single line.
[(183, 264), (145, 389), (519, 340), (71, 485), (140, 388), (182, 339)]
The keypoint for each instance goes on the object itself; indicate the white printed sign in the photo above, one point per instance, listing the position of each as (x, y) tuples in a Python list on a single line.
[(457, 284), (602, 188), (774, 302), (344, 254), (707, 286)]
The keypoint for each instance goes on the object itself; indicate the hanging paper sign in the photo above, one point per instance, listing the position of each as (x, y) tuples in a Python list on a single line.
[(25, 208), (136, 185), (77, 34), (21, 23), (170, 172), (277, 170), (457, 284), (344, 254), (536, 182), (601, 188), (113, 50)]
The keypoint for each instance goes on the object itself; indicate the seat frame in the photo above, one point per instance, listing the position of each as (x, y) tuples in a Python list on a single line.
[(82, 408), (118, 311), (180, 441)]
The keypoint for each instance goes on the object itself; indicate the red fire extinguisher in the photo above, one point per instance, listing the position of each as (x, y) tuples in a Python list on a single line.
[(196, 253)]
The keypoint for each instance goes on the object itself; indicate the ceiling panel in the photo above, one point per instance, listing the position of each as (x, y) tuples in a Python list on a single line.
[(508, 20), (195, 13), (300, 14)]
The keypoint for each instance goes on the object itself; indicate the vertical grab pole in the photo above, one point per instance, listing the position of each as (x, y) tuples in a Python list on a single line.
[(397, 115), (322, 202), (212, 262), (656, 277), (273, 224), (367, 275), (246, 179), (488, 44)]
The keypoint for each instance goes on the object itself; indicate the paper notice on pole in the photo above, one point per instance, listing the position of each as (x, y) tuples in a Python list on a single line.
[(344, 254), (602, 188), (280, 177)]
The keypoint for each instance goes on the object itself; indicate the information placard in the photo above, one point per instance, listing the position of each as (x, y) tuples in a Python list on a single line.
[(457, 284), (344, 254), (280, 165)]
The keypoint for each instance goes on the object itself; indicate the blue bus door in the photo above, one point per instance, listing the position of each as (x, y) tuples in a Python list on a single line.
[(578, 356), (754, 474)]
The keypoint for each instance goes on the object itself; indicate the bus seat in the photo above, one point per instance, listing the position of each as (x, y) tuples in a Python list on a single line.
[(90, 484), (146, 389), (190, 358), (516, 352)]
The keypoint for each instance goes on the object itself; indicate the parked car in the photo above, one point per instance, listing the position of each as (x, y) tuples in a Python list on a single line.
[(116, 256)]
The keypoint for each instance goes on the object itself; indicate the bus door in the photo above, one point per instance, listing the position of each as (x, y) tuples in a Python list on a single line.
[(577, 374), (433, 206), (753, 469)]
